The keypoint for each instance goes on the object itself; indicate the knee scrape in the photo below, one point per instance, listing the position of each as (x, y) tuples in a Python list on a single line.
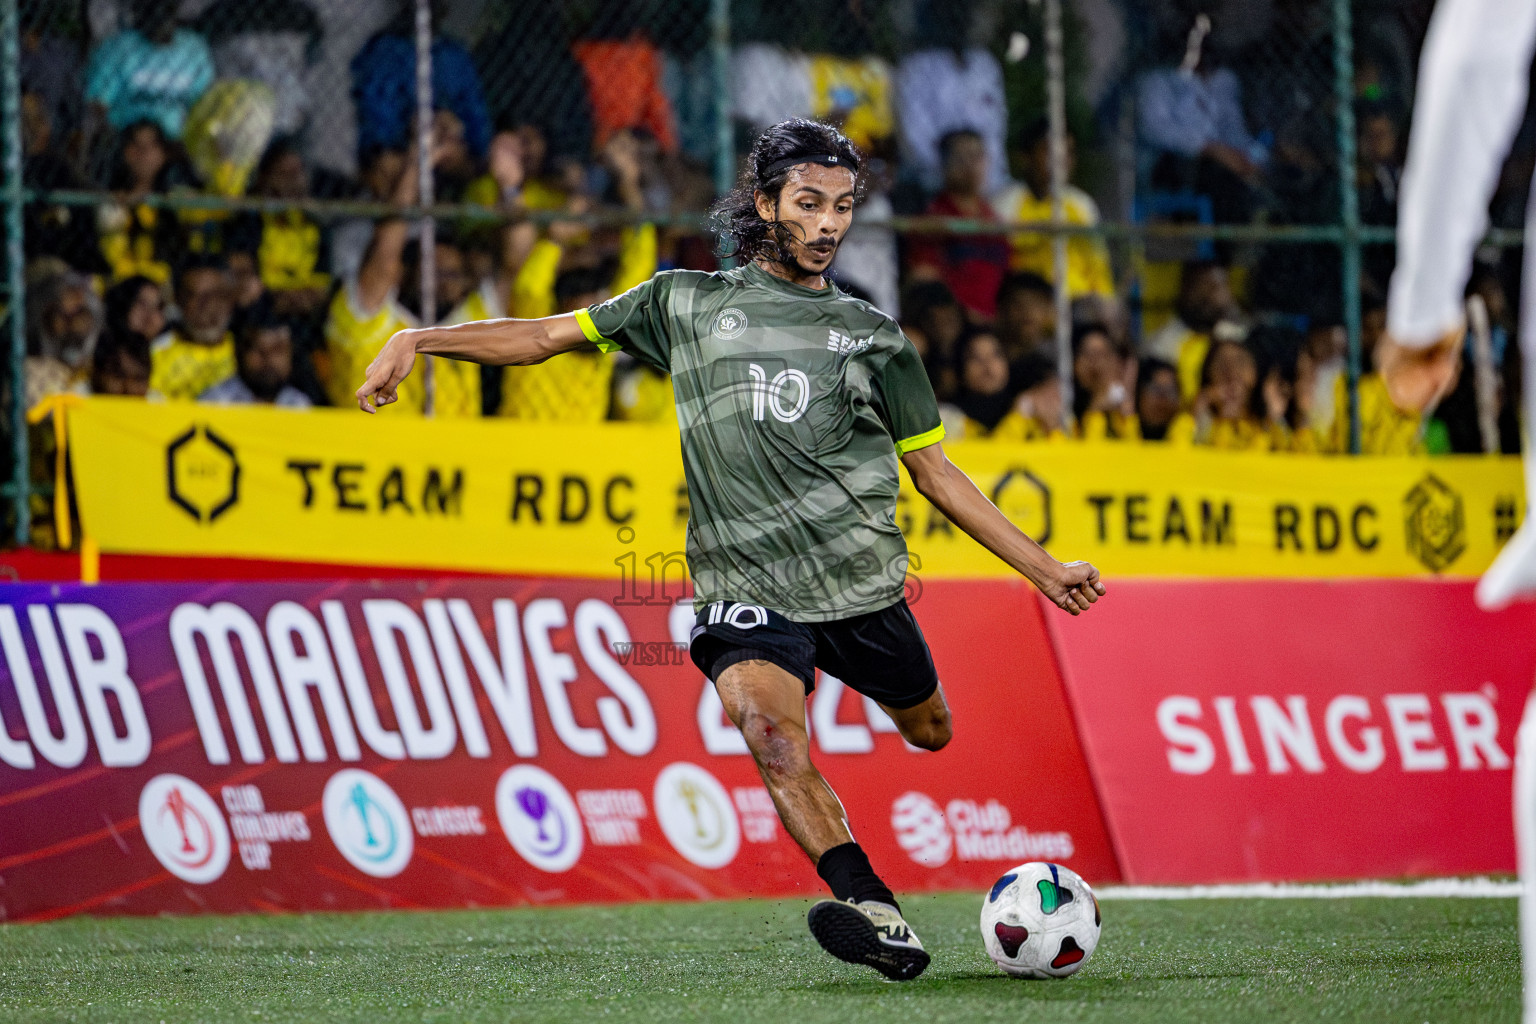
[(778, 750)]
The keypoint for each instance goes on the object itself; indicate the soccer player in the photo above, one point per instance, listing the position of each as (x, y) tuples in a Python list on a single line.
[(1473, 79), (795, 402)]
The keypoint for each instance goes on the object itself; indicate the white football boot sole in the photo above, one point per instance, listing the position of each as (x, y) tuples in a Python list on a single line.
[(869, 933)]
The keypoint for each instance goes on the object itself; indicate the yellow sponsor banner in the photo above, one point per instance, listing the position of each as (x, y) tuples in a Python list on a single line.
[(332, 485), (1150, 510), (608, 499)]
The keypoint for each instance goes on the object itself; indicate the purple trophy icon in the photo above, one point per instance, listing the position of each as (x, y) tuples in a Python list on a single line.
[(534, 804), (539, 817)]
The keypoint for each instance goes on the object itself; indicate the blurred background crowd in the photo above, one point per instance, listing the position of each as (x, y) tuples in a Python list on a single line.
[(217, 191)]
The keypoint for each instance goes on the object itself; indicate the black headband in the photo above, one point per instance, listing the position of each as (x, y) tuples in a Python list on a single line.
[(825, 159)]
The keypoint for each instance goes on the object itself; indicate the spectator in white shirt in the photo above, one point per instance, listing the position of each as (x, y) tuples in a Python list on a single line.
[(947, 88), (272, 42), (264, 362), (1191, 124)]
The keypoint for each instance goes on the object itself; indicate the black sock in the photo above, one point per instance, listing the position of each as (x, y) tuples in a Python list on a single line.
[(847, 873)]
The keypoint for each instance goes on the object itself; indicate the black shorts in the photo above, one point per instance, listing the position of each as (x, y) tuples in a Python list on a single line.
[(880, 654)]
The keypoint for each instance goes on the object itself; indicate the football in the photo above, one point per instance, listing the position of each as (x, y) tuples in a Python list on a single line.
[(1040, 921)]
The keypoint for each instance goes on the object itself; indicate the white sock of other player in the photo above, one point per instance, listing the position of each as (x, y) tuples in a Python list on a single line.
[(1513, 573), (1525, 850)]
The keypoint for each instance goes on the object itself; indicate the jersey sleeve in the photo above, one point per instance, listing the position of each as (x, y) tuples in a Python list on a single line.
[(903, 397), (636, 321)]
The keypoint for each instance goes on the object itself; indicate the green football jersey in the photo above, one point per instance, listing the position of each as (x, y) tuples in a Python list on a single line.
[(793, 404)]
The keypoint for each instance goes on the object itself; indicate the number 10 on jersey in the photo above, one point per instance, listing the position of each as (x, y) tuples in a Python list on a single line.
[(773, 394)]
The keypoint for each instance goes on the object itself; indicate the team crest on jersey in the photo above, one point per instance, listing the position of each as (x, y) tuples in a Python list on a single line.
[(730, 323)]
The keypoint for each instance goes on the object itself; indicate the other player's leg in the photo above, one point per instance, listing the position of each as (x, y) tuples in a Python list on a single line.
[(883, 656), (1525, 850), (1513, 573), (862, 924)]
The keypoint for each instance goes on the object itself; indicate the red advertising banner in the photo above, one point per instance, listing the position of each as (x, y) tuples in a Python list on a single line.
[(1301, 730), (342, 744)]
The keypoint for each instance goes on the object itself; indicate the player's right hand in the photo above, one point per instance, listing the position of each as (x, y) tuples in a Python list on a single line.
[(1418, 377), (391, 366), (1075, 587)]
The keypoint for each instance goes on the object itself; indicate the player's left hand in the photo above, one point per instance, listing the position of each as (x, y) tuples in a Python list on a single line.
[(391, 366), (1075, 587)]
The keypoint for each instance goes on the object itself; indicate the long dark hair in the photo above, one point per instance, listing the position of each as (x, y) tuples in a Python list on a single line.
[(120, 179), (986, 409), (1081, 397), (743, 233), (119, 302), (1261, 368)]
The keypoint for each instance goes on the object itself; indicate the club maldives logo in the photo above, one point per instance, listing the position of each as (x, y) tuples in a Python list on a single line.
[(367, 822), (539, 818), (696, 815), (184, 828), (920, 829), (970, 830)]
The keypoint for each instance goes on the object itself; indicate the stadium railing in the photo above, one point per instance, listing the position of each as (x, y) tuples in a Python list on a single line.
[(1301, 214)]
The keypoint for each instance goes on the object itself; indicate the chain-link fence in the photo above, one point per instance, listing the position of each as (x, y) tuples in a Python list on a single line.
[(227, 200)]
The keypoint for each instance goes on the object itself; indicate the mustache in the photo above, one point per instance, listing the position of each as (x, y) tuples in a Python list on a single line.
[(789, 232)]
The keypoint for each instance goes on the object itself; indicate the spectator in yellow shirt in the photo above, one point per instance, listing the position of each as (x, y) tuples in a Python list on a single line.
[(1037, 411), (198, 351), (1384, 428), (642, 394), (549, 180), (120, 366), (934, 319), (136, 238), (1157, 398), (854, 92), (982, 397), (1235, 410), (1026, 315), (1088, 271), (385, 298), (575, 390), (1102, 401), (289, 245), (579, 388), (1204, 301), (568, 244)]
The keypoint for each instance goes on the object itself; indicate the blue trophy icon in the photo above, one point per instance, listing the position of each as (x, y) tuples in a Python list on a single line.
[(361, 801), (364, 804)]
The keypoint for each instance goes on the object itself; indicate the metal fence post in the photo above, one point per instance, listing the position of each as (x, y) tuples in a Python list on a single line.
[(15, 256), (1056, 109), (1349, 204), (426, 195), (720, 51)]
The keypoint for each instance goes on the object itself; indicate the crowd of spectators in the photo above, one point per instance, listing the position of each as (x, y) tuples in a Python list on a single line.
[(136, 100)]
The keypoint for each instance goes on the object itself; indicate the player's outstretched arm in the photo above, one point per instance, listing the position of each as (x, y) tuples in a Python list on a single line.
[(506, 342), (1072, 586)]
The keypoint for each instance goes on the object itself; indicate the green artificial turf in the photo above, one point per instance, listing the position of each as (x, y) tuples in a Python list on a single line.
[(1244, 961)]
